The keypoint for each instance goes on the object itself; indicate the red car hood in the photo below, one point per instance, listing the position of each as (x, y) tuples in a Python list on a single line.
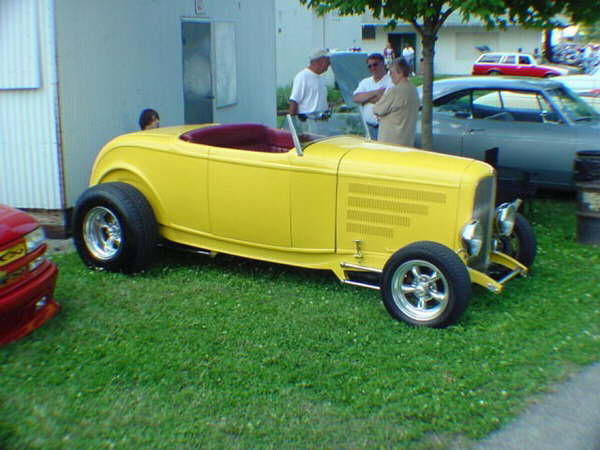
[(14, 224)]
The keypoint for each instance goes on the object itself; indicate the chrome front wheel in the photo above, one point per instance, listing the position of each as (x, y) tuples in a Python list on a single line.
[(420, 290), (426, 284)]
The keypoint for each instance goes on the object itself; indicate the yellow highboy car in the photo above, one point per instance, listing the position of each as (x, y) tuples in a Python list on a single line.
[(419, 226)]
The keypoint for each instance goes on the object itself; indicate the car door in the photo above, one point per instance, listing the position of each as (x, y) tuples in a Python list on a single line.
[(449, 121), (249, 196), (525, 67), (314, 184), (527, 132)]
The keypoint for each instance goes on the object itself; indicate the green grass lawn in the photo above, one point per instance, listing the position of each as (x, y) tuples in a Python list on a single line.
[(233, 353)]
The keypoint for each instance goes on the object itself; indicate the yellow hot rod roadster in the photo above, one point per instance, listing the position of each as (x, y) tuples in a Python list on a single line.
[(419, 226)]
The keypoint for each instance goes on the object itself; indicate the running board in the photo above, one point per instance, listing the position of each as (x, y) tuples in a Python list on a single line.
[(359, 284), (354, 266), (363, 269)]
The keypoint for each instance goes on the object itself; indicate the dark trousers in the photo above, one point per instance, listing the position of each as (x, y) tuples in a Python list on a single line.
[(373, 131)]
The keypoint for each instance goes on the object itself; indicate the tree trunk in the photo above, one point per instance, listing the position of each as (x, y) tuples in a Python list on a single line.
[(548, 53), (428, 44)]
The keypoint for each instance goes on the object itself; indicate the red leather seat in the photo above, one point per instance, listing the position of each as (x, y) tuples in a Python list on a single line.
[(243, 136)]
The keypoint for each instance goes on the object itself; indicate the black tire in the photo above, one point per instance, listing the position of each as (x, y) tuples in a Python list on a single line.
[(114, 228), (521, 244), (441, 280), (494, 73)]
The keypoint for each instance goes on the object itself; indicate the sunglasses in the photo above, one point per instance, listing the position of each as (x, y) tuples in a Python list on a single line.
[(375, 64)]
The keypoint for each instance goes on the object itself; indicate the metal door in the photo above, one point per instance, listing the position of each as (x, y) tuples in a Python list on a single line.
[(198, 86)]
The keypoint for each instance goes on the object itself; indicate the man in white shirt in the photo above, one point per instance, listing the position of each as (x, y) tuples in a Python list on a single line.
[(408, 53), (309, 93), (371, 89)]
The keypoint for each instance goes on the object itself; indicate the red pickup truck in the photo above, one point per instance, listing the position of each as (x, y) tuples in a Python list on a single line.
[(27, 278)]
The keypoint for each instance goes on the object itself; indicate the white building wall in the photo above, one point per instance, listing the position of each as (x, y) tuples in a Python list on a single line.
[(256, 63), (300, 31), (29, 157), (118, 57)]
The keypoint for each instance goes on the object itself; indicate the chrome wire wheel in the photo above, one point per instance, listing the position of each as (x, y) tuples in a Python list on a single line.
[(102, 233), (420, 290)]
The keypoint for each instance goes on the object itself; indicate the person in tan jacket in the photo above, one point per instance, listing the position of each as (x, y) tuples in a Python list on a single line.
[(397, 110)]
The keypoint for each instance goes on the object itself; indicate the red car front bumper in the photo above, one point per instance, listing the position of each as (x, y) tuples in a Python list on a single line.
[(29, 305)]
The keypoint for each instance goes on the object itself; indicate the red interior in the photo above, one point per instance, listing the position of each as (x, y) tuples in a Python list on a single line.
[(243, 136)]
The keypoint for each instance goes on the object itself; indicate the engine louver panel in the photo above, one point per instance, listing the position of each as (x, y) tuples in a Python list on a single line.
[(377, 210)]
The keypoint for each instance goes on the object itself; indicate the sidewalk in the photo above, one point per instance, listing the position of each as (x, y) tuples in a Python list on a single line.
[(566, 419)]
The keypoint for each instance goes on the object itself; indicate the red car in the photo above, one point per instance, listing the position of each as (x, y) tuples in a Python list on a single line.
[(519, 64), (27, 278)]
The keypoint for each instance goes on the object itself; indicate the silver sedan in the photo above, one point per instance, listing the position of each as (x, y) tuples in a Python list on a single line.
[(537, 125)]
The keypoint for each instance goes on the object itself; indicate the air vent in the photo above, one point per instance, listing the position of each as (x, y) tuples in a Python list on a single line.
[(387, 205), (378, 210), (397, 193), (377, 218), (370, 229)]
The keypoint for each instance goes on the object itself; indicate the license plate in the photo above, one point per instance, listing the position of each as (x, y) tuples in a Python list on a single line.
[(11, 254)]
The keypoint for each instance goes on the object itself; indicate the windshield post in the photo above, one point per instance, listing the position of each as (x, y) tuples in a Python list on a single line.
[(292, 128)]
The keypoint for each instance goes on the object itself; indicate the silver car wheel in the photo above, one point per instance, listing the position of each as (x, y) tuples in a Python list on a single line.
[(102, 233), (420, 290)]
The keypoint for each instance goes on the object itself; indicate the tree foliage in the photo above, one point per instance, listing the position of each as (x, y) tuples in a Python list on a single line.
[(591, 33), (428, 16)]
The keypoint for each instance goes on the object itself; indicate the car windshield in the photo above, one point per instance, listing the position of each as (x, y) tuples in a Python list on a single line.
[(309, 128), (571, 105)]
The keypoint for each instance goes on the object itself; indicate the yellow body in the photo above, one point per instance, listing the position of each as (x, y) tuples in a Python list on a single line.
[(346, 200)]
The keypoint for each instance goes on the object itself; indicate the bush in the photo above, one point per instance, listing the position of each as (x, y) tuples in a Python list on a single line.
[(334, 97), (283, 94)]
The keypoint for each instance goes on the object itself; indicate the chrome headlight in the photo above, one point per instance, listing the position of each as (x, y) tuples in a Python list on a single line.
[(472, 238), (34, 239), (506, 215)]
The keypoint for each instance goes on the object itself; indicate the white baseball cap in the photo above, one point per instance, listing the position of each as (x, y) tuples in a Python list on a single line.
[(322, 52)]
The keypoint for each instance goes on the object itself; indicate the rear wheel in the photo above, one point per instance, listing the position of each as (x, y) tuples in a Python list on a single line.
[(426, 284), (114, 228), (494, 73)]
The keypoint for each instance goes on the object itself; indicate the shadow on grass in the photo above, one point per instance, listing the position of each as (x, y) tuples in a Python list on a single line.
[(239, 266)]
